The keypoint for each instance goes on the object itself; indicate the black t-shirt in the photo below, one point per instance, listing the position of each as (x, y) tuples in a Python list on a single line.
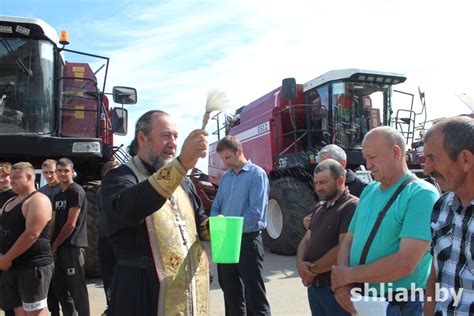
[(5, 196), (73, 196), (50, 191)]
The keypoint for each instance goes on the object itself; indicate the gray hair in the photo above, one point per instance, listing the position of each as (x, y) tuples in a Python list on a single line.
[(458, 135), (393, 136), (331, 165), (335, 152)]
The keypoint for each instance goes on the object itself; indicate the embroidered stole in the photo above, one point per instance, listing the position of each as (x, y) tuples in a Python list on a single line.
[(180, 259)]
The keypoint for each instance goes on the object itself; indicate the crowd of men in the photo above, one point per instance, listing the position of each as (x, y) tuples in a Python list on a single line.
[(395, 234), (401, 240)]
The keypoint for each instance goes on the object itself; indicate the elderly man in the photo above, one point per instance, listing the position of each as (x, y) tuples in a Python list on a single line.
[(386, 244), (25, 250), (352, 182), (162, 267), (317, 251), (449, 152), (355, 184)]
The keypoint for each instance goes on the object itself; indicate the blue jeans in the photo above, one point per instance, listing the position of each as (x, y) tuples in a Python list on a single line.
[(411, 308), (323, 302)]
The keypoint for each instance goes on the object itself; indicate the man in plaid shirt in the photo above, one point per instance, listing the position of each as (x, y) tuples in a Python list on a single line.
[(449, 152)]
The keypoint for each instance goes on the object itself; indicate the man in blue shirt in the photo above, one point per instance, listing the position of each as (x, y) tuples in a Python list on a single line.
[(243, 191)]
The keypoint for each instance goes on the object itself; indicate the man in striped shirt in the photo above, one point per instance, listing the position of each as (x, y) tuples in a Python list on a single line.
[(449, 152)]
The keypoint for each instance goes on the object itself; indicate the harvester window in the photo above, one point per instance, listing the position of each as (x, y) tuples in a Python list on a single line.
[(26, 85)]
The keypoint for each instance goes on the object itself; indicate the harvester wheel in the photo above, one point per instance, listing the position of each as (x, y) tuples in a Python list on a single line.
[(92, 262), (289, 202)]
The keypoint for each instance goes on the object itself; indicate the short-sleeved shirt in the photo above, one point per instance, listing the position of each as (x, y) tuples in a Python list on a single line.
[(5, 196), (453, 250), (408, 217), (73, 196), (328, 222), (50, 191)]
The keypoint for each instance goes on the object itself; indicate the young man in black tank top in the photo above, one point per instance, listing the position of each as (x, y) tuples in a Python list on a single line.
[(26, 258)]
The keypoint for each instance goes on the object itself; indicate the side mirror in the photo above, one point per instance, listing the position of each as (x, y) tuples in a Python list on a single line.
[(289, 88), (124, 95), (119, 121)]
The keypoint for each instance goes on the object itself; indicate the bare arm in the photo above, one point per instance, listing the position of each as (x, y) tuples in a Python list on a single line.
[(304, 267), (37, 213), (307, 221), (325, 263), (68, 227), (386, 269), (429, 305)]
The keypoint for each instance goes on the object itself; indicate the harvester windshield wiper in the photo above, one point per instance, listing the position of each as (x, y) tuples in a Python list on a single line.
[(17, 60)]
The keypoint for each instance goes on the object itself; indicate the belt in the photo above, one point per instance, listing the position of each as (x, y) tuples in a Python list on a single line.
[(322, 279), (136, 262)]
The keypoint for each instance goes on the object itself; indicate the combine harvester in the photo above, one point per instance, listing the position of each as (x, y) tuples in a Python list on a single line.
[(52, 108)]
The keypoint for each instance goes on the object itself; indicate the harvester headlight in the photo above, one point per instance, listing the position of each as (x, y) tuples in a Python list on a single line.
[(6, 29), (22, 30), (86, 147)]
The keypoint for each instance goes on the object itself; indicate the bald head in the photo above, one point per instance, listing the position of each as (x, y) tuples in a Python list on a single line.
[(389, 134), (384, 151)]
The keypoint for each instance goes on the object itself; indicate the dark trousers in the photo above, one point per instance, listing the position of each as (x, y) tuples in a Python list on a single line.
[(107, 264), (69, 278), (242, 283), (53, 302), (323, 302)]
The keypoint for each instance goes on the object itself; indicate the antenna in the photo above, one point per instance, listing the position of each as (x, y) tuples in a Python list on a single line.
[(467, 100)]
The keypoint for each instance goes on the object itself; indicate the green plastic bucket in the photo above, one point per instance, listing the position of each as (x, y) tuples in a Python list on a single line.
[(226, 237)]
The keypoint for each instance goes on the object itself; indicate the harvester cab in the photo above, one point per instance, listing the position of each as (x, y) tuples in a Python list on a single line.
[(53, 108)]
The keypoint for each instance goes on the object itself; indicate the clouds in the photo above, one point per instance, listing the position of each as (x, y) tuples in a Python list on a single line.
[(173, 52)]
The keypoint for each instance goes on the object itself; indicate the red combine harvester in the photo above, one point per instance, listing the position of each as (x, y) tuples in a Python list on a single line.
[(51, 108), (283, 130)]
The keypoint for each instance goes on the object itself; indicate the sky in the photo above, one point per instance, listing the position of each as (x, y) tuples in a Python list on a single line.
[(173, 52)]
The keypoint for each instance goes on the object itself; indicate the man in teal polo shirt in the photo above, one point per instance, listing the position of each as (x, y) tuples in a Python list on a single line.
[(398, 259)]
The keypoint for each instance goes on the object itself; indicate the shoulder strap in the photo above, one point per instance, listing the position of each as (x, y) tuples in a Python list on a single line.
[(2, 209), (380, 217)]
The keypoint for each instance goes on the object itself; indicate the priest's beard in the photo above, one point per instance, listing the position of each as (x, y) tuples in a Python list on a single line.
[(156, 161)]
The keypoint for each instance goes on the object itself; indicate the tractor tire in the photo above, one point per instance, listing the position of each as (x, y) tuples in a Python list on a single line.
[(92, 261), (289, 202)]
